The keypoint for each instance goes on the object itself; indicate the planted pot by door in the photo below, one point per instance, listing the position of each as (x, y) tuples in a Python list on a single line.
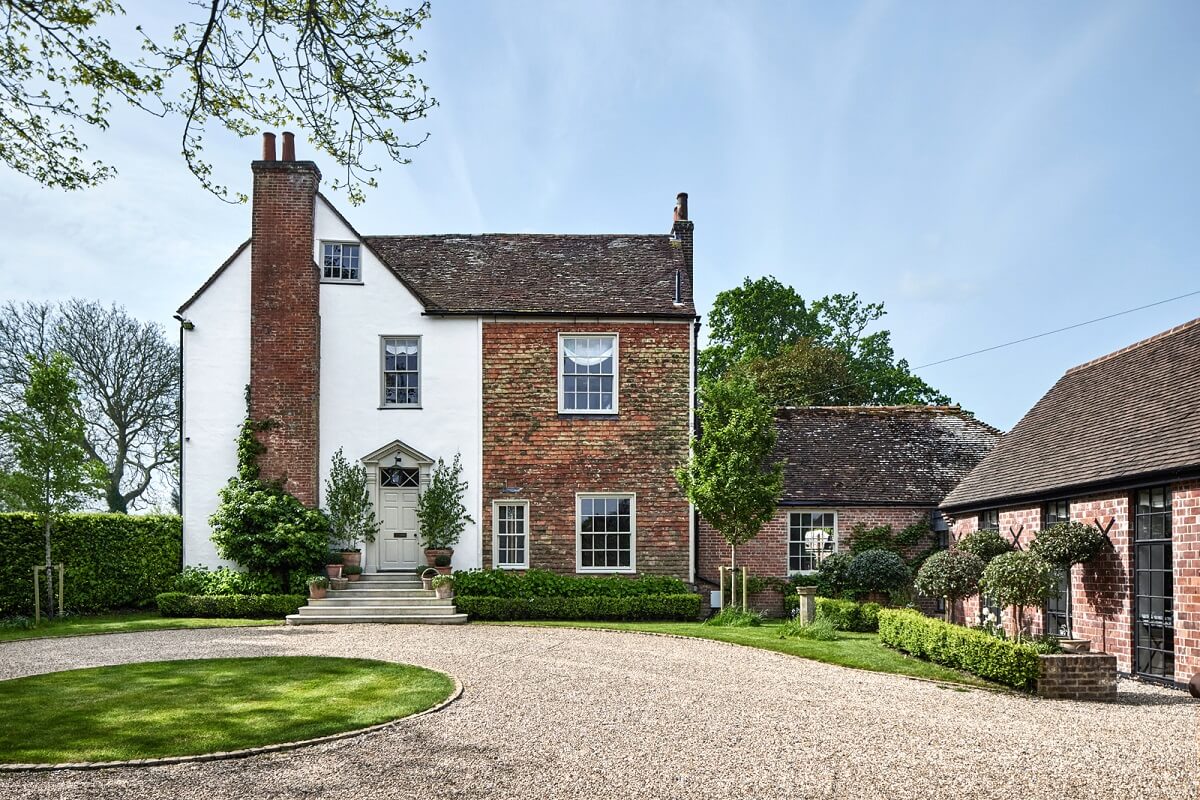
[(433, 553)]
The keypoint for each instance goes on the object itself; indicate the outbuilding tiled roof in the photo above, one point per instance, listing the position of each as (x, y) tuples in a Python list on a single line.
[(523, 273), (1127, 416), (877, 455)]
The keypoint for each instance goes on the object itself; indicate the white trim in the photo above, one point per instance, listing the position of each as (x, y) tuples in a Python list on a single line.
[(616, 376), (320, 259), (788, 556), (632, 568), (496, 534), (383, 338)]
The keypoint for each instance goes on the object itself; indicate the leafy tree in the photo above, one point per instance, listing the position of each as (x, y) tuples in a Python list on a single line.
[(128, 376), (985, 544), (730, 477), (1065, 544), (802, 374), (761, 319), (878, 571), (1019, 579), (440, 507), (952, 574), (51, 474), (348, 503), (342, 69)]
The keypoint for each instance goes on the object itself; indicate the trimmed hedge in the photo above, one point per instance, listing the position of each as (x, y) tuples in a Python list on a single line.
[(685, 607), (543, 583), (847, 615), (233, 606), (954, 646), (223, 580), (111, 560)]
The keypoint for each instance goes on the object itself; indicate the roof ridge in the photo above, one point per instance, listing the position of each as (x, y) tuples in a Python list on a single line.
[(868, 407), (1156, 337), (511, 233)]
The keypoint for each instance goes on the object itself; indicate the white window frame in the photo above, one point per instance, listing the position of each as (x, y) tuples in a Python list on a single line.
[(496, 505), (788, 555), (579, 498), (321, 261), (383, 340), (616, 376)]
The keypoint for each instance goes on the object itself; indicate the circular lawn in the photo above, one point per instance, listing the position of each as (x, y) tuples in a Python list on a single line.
[(181, 708)]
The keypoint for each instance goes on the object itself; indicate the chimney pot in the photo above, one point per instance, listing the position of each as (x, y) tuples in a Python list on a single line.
[(268, 147), (681, 211), (289, 146)]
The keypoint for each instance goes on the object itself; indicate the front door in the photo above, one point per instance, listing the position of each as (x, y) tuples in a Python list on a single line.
[(399, 536)]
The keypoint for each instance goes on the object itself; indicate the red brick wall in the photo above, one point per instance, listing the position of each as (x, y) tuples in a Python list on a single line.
[(1185, 531), (1101, 590), (527, 443), (285, 323), (1020, 523)]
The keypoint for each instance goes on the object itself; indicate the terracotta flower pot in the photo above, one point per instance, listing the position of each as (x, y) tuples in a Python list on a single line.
[(431, 553), (353, 576), (334, 571), (316, 592), (352, 558), (444, 592)]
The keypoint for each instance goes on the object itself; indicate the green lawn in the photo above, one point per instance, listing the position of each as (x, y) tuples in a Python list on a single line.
[(124, 622), (171, 708), (858, 650)]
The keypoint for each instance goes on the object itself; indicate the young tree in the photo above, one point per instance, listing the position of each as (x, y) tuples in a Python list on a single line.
[(342, 69), (348, 503), (730, 476), (952, 574), (1019, 579), (440, 508), (128, 375), (51, 473)]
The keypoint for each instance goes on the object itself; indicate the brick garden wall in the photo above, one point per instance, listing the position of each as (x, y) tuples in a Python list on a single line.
[(551, 456), (1185, 499)]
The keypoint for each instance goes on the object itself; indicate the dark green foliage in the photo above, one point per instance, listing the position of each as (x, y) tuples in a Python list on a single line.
[(961, 648), (878, 571), (883, 537), (441, 561), (202, 580), (543, 583), (112, 560), (352, 569), (833, 576), (846, 615), (820, 630), (985, 544), (1066, 543), (734, 617), (230, 606), (440, 508), (684, 607), (953, 574), (348, 503)]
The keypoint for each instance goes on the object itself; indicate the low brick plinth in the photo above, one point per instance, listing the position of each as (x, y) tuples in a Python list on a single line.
[(1078, 676)]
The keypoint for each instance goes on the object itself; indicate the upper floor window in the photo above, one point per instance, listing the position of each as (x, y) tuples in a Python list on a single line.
[(989, 520), (587, 381), (812, 535), (340, 262), (401, 371), (1056, 511)]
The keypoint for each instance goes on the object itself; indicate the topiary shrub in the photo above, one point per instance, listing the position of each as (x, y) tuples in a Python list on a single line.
[(543, 583), (833, 575), (1066, 543), (952, 574), (682, 607), (233, 606), (847, 615), (984, 544), (878, 571), (1019, 579)]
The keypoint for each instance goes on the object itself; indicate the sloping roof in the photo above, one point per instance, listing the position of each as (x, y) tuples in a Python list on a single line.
[(523, 273), (877, 455), (1131, 414)]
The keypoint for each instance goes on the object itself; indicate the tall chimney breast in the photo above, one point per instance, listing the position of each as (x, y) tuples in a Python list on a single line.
[(268, 147), (289, 146)]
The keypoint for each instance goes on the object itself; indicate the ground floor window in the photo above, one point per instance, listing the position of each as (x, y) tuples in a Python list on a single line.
[(1153, 561), (510, 529), (606, 532), (811, 536), (1058, 607)]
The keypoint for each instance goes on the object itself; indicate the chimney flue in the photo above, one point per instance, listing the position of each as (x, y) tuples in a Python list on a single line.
[(289, 146), (268, 147), (680, 206)]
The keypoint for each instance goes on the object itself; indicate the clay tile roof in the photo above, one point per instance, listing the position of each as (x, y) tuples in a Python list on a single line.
[(521, 273), (1133, 414), (878, 455)]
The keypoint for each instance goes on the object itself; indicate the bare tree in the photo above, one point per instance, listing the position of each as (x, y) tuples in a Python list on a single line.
[(128, 376)]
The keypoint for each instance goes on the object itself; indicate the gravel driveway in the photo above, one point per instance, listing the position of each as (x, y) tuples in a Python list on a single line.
[(551, 713)]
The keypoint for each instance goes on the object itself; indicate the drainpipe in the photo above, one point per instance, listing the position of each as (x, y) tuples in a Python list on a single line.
[(184, 325), (695, 431)]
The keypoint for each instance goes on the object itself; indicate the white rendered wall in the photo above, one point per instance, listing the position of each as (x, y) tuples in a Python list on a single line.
[(353, 319), (216, 369)]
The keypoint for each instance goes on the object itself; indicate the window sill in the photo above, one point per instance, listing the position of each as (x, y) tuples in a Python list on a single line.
[(588, 414), (326, 282), (605, 571), (399, 408), (512, 567)]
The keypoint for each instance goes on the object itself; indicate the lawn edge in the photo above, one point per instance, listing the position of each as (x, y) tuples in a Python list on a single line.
[(455, 693), (266, 623), (997, 688)]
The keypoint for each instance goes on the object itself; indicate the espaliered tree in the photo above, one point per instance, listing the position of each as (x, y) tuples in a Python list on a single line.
[(730, 476)]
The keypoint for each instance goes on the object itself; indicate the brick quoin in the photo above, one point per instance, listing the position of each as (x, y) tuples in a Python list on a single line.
[(285, 323), (552, 456)]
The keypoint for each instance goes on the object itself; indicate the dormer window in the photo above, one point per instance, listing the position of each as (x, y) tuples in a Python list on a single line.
[(587, 379), (340, 262)]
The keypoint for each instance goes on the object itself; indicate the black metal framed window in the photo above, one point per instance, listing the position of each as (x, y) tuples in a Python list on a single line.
[(1154, 613), (1057, 619), (989, 520)]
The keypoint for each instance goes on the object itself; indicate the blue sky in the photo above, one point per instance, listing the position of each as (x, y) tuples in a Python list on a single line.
[(987, 170)]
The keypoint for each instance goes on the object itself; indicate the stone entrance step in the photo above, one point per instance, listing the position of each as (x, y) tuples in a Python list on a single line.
[(388, 597)]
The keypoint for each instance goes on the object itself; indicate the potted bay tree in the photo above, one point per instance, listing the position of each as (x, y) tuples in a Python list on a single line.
[(351, 513), (441, 512)]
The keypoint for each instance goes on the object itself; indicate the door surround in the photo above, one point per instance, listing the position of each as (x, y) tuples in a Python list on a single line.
[(395, 453)]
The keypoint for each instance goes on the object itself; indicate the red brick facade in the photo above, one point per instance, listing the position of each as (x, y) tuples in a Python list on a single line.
[(550, 457), (1102, 591), (285, 323)]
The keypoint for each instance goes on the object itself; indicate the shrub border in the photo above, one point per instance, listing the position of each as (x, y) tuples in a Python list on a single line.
[(249, 751)]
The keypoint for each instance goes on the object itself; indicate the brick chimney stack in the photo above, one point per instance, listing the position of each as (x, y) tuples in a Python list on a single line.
[(682, 229), (285, 318)]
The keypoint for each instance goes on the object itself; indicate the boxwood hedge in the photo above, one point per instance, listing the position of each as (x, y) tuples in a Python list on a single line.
[(847, 615), (243, 606), (685, 607), (111, 560), (962, 648), (543, 583)]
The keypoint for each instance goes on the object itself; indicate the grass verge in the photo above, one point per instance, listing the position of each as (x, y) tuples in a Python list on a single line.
[(857, 650), (123, 622), (175, 708)]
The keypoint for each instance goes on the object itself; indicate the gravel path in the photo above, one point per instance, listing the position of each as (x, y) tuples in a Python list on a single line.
[(556, 713)]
